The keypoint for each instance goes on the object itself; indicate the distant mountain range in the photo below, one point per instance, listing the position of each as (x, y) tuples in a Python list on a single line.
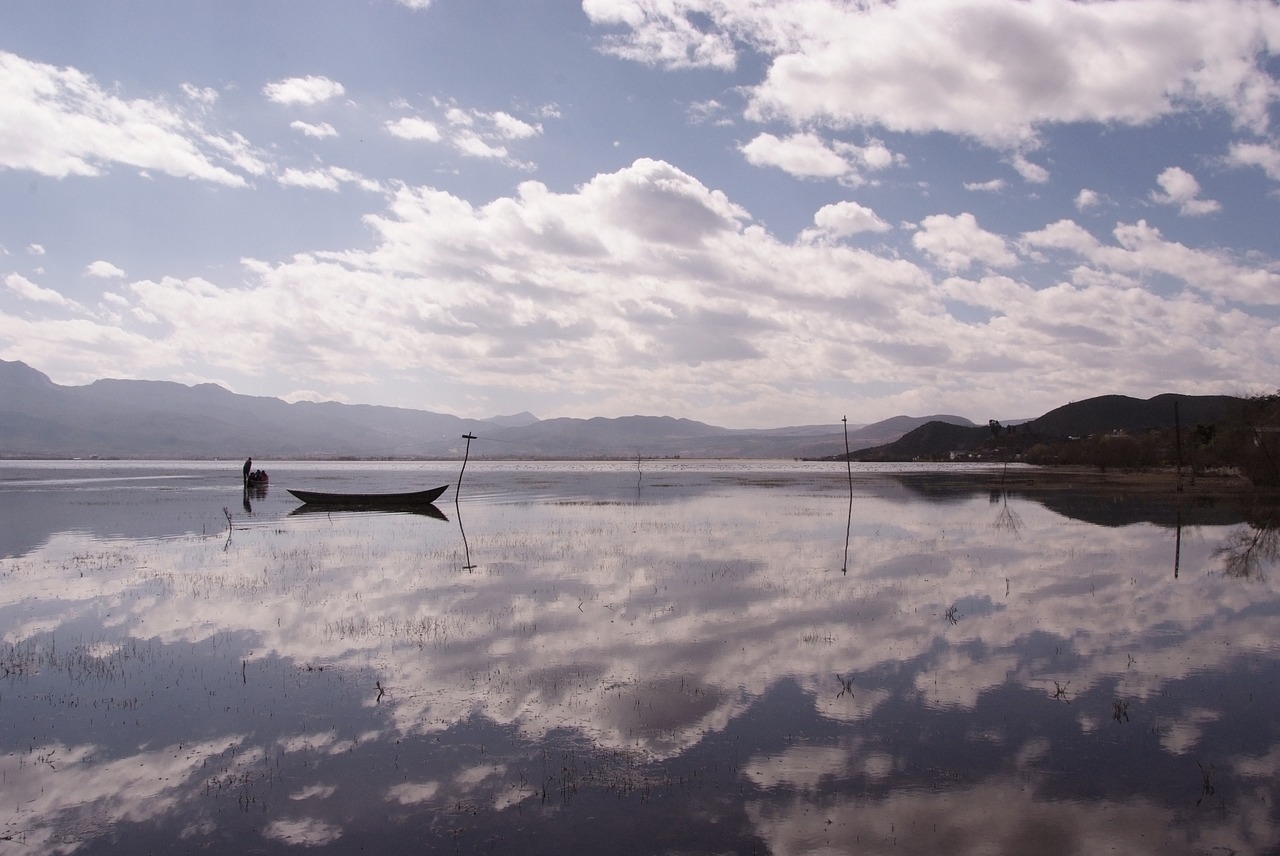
[(160, 420)]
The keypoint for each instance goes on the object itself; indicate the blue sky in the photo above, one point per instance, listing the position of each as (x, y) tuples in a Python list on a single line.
[(753, 214)]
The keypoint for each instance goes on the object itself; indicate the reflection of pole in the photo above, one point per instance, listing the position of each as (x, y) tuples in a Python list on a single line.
[(465, 548), (1177, 546), (848, 466)]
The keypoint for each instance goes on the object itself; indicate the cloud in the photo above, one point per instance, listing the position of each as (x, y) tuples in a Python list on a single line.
[(1140, 250), (991, 70), (319, 132), (848, 218), (471, 133), (1182, 190), (310, 90), (1263, 155), (659, 37), (104, 270), (414, 128), (995, 185), (59, 122), (1087, 199), (28, 290), (807, 155), (644, 290), (326, 178), (958, 242), (804, 155)]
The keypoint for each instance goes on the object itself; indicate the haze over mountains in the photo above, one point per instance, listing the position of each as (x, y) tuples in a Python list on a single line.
[(160, 419)]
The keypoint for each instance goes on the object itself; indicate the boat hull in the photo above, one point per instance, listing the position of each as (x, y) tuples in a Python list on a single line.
[(370, 500)]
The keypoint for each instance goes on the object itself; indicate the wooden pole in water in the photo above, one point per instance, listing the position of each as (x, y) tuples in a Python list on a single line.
[(466, 454)]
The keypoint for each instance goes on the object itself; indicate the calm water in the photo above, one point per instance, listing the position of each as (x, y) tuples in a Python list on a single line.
[(691, 658)]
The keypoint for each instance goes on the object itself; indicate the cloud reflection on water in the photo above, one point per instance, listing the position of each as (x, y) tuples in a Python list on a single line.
[(701, 644)]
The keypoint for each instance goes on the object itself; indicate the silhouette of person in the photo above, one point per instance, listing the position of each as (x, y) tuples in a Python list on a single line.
[(248, 465)]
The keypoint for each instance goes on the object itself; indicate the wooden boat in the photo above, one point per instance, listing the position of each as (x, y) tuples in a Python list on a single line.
[(370, 500)]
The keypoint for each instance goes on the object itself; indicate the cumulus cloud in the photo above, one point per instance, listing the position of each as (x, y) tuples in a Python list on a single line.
[(958, 242), (104, 270), (1087, 199), (313, 89), (807, 155), (414, 128), (317, 131), (1181, 189), (28, 290), (1262, 155), (665, 36), (848, 218), (991, 70), (644, 290), (469, 132), (60, 122)]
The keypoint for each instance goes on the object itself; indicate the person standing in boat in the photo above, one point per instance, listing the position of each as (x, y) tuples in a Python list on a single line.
[(248, 465)]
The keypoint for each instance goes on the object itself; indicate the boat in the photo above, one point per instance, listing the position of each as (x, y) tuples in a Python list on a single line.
[(257, 477), (370, 500)]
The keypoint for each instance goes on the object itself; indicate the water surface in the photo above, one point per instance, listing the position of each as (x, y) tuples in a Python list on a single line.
[(678, 656)]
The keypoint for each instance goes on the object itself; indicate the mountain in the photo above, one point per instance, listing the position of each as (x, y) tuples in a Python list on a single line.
[(159, 419), (1104, 414)]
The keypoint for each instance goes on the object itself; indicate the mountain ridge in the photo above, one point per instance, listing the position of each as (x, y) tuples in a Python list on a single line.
[(121, 418)]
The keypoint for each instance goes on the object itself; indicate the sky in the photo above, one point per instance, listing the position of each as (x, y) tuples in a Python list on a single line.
[(752, 214)]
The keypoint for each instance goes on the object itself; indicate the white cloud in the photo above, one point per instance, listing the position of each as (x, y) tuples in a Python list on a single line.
[(471, 133), (995, 185), (804, 155), (1263, 155), (807, 155), (326, 178), (313, 89), (28, 290), (414, 128), (992, 70), (848, 218), (958, 242), (1141, 250), (317, 131), (104, 270), (559, 301), (511, 128), (661, 35), (1087, 199), (59, 122), (1030, 172), (1182, 190), (200, 94), (35, 249)]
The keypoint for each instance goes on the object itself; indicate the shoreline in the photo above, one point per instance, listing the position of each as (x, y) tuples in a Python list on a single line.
[(1165, 481)]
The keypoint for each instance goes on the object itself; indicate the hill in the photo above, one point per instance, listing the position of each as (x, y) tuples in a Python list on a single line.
[(157, 419), (1102, 415)]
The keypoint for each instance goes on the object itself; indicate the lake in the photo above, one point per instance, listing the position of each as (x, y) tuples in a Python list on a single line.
[(639, 658)]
